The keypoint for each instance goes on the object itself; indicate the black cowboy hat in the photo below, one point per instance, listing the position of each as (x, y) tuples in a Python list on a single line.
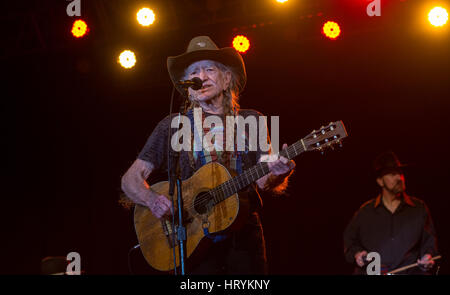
[(387, 162), (203, 48)]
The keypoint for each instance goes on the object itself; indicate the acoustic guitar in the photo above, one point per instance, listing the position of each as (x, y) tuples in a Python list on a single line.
[(211, 202)]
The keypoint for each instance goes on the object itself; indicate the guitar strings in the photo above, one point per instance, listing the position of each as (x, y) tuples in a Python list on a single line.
[(224, 187), (297, 148), (228, 186), (253, 171)]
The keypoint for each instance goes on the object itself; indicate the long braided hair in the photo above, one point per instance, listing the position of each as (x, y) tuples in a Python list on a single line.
[(230, 102)]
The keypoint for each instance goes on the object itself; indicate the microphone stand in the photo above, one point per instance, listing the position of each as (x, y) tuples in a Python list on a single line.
[(175, 178)]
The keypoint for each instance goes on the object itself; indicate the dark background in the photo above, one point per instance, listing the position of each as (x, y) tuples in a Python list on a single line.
[(74, 120)]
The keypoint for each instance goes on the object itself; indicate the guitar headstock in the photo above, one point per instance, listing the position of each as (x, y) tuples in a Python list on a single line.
[(325, 137)]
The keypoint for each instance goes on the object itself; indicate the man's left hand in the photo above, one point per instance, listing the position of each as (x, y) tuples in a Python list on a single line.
[(282, 166), (425, 262)]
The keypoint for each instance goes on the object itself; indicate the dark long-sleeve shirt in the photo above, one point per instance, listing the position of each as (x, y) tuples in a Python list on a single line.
[(400, 238)]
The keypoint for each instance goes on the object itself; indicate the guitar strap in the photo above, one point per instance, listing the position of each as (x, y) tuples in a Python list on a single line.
[(235, 160), (214, 237), (240, 160)]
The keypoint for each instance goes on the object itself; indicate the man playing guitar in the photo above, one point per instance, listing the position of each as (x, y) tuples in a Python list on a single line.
[(223, 77)]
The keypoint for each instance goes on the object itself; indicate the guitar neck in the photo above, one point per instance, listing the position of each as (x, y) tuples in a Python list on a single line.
[(252, 174)]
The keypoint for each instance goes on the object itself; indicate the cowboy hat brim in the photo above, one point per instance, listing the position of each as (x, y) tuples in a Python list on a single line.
[(386, 170), (228, 56)]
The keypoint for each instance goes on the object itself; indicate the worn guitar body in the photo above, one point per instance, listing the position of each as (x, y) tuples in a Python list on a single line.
[(155, 235)]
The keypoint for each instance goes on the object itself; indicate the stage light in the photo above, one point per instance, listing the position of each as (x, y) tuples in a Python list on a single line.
[(241, 43), (438, 16), (331, 30), (127, 59), (79, 28), (282, 1), (145, 17)]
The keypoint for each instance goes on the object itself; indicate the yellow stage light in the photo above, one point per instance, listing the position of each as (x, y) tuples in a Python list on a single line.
[(331, 30), (282, 1), (79, 28), (241, 43), (145, 17), (127, 59), (438, 16)]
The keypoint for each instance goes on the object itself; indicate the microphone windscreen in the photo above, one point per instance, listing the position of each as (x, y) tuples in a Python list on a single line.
[(198, 83)]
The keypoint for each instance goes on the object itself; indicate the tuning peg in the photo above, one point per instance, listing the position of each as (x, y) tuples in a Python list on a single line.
[(320, 149)]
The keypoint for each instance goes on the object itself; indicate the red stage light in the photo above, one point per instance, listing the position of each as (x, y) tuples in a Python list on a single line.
[(331, 30), (241, 43), (79, 28)]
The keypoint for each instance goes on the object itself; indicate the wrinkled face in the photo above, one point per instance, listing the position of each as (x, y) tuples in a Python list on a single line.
[(393, 182), (214, 80)]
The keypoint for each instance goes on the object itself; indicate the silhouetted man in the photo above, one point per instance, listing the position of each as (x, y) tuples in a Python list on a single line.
[(395, 225)]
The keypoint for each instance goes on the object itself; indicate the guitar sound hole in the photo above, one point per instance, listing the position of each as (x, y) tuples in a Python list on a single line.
[(203, 203)]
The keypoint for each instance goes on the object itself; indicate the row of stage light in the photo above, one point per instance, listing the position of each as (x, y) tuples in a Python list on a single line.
[(437, 17)]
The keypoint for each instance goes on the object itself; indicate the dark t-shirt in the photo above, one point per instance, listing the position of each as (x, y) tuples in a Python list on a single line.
[(156, 149)]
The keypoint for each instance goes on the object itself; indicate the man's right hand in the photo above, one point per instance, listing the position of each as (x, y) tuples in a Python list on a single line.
[(359, 258), (159, 205)]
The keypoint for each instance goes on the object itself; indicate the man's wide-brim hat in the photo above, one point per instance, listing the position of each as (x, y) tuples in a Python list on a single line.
[(386, 163), (203, 48)]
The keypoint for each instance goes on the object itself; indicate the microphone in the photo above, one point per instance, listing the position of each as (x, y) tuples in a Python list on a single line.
[(195, 83)]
